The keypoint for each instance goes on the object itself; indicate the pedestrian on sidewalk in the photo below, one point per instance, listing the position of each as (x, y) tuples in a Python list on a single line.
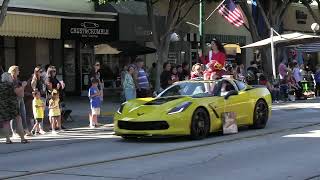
[(128, 84), (55, 112), (95, 103), (38, 112), (9, 110)]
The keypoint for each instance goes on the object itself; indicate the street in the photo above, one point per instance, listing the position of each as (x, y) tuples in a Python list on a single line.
[(286, 149)]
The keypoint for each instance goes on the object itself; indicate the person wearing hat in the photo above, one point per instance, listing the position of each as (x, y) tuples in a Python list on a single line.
[(54, 111)]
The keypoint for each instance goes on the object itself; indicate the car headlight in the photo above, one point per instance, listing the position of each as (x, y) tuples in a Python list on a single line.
[(180, 108), (121, 108)]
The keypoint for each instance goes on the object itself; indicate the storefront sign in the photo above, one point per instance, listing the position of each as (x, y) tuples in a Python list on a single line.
[(88, 30)]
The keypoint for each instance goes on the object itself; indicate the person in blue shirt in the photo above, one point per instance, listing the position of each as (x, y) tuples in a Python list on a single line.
[(95, 103)]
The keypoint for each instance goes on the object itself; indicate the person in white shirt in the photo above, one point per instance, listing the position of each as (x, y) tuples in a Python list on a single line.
[(298, 78)]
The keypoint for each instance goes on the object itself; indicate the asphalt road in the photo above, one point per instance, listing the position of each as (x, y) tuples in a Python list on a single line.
[(287, 149)]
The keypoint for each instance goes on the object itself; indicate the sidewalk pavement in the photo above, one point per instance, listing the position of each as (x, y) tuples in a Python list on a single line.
[(80, 106)]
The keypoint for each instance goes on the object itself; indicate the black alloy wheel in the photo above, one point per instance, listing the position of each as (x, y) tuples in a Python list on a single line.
[(260, 115), (200, 124)]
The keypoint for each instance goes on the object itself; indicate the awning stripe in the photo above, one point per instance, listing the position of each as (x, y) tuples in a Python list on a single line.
[(31, 26)]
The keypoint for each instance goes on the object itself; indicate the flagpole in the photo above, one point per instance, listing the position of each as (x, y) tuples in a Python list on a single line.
[(215, 10), (272, 54)]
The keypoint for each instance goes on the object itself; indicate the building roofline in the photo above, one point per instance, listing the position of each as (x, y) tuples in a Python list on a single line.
[(62, 17), (67, 15)]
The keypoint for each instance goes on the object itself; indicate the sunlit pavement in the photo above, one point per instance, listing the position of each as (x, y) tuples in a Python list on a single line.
[(286, 149)]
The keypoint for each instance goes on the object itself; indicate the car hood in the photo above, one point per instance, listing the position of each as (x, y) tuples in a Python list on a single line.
[(136, 109)]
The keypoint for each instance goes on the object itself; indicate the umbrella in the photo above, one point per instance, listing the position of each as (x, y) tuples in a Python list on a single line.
[(128, 48), (313, 47), (105, 49), (285, 39), (291, 38)]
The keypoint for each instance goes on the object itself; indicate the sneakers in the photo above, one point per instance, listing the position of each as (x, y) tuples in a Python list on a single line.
[(42, 132), (15, 135)]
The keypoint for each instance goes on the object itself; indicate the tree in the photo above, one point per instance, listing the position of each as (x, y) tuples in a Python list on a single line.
[(308, 6), (176, 13), (272, 12), (3, 13)]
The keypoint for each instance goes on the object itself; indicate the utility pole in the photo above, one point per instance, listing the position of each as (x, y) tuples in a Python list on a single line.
[(201, 25)]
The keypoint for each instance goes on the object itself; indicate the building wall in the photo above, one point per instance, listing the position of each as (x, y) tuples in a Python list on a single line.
[(291, 22), (26, 56), (42, 52)]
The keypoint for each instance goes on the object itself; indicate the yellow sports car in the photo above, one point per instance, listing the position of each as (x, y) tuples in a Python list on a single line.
[(194, 108)]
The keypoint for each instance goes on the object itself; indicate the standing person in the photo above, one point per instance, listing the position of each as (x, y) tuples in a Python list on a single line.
[(38, 112), (14, 73), (165, 78), (153, 75), (283, 69), (174, 74), (55, 112), (129, 85), (95, 103), (180, 73), (96, 74), (9, 110), (185, 71), (252, 73), (317, 80), (56, 84), (34, 83), (298, 78), (141, 80)]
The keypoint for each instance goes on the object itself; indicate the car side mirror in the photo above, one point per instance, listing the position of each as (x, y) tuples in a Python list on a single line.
[(231, 93)]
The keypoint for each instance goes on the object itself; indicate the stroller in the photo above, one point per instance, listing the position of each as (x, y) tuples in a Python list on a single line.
[(65, 114)]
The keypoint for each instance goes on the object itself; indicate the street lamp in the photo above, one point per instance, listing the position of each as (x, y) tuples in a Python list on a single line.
[(315, 27)]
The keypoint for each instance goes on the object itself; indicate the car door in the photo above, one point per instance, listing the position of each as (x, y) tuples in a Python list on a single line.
[(235, 103)]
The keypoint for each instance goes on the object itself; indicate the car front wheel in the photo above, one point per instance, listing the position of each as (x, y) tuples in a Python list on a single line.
[(260, 115), (200, 124)]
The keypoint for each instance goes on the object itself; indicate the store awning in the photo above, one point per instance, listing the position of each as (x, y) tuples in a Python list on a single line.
[(126, 48), (31, 26), (232, 49), (285, 39), (310, 48)]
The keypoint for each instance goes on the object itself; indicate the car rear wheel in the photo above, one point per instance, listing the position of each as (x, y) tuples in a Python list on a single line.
[(200, 124), (260, 115)]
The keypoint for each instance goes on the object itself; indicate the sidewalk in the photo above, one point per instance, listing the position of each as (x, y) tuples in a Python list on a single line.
[(80, 106)]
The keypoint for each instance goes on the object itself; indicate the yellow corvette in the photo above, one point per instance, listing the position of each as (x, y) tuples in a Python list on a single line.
[(193, 108)]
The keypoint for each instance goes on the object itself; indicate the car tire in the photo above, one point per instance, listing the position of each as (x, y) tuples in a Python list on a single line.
[(260, 115), (200, 124)]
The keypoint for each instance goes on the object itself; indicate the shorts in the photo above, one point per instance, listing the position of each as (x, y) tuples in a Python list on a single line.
[(95, 111), (39, 120)]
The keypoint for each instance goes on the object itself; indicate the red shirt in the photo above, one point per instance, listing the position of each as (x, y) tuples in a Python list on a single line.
[(220, 57)]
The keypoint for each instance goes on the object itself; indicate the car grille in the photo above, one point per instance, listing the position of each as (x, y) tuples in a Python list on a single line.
[(151, 125)]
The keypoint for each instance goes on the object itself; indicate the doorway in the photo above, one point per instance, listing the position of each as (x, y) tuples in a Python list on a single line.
[(86, 64)]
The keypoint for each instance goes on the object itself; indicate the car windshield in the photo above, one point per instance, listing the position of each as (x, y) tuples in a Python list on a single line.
[(190, 89)]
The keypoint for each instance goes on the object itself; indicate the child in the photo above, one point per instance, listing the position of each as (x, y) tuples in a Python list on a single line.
[(95, 103), (54, 112), (38, 112)]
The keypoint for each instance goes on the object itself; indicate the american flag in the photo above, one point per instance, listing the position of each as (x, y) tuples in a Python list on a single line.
[(231, 12)]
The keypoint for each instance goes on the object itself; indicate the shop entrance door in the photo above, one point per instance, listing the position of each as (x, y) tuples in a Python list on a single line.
[(86, 65)]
